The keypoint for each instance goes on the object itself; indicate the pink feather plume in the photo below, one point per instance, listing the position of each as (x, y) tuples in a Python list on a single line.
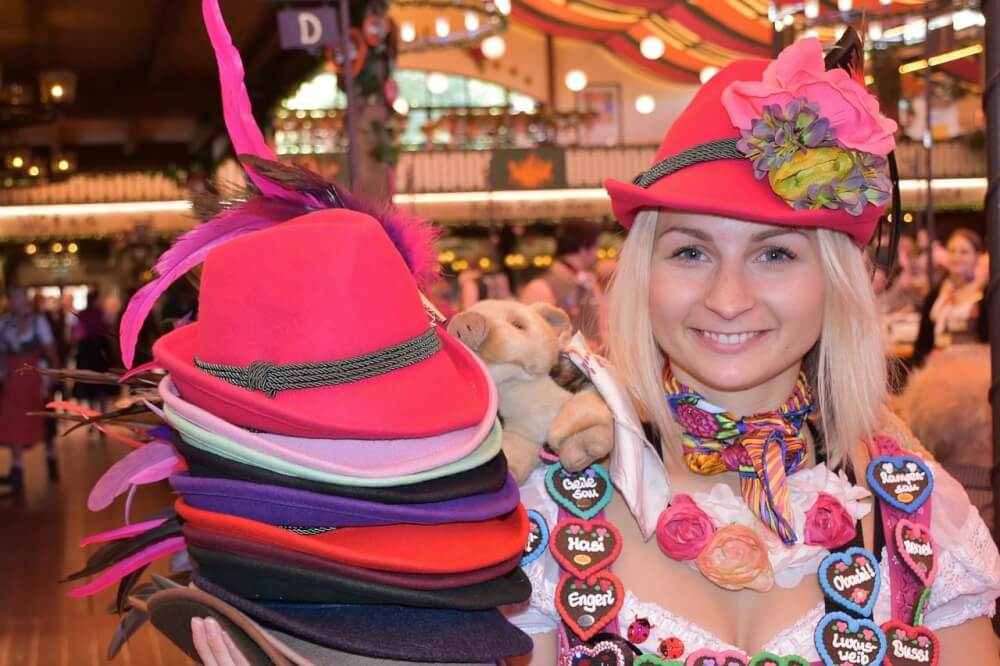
[(128, 565), (190, 250), (120, 533), (153, 462), (236, 110)]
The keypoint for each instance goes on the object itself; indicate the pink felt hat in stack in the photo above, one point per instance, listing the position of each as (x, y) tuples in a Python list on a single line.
[(788, 142), (316, 328)]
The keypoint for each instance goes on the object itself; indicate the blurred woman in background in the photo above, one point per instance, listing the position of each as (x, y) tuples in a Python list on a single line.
[(952, 312), (26, 341)]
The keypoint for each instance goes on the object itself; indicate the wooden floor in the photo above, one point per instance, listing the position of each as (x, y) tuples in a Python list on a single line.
[(39, 535)]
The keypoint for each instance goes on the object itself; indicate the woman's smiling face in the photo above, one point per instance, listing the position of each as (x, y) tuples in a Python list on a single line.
[(735, 305)]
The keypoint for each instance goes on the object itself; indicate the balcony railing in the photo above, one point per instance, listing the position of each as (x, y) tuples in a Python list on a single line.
[(478, 171)]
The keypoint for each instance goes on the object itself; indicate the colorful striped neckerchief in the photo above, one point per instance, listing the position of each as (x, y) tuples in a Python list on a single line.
[(763, 448)]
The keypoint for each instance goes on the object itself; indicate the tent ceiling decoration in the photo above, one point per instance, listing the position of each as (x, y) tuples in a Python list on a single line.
[(694, 34)]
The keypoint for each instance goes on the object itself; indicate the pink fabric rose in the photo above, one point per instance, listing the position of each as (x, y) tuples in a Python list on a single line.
[(683, 529), (828, 524), (799, 72), (736, 558)]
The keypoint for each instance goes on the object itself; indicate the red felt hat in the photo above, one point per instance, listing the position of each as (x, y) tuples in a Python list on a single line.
[(316, 328), (424, 549), (726, 186)]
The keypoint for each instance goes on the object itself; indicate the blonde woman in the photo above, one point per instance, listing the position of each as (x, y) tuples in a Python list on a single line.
[(744, 328)]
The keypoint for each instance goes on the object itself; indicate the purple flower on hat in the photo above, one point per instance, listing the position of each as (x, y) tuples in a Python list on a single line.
[(779, 134)]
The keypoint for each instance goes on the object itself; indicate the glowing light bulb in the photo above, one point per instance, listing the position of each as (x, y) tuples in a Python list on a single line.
[(576, 80), (652, 48), (645, 104), (494, 47)]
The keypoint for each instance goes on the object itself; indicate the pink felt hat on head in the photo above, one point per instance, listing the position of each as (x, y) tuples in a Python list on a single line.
[(784, 142), (316, 328), (365, 458)]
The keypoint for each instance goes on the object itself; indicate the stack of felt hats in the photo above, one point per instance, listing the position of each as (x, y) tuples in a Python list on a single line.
[(345, 484)]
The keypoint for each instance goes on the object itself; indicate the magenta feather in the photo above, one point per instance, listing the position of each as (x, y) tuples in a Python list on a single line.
[(236, 110), (412, 236), (190, 250), (128, 565), (153, 462), (125, 532)]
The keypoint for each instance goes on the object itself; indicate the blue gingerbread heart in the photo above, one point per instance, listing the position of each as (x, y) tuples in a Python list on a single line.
[(905, 482), (841, 639), (538, 537), (583, 494), (851, 579)]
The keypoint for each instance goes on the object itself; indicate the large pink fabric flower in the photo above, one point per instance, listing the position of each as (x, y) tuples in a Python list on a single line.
[(828, 524), (736, 558), (799, 72), (683, 529)]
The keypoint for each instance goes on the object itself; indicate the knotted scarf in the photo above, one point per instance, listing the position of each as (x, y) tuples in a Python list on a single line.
[(764, 448)]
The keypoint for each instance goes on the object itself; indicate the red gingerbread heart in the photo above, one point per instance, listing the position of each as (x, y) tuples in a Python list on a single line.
[(910, 646), (584, 547), (588, 605), (917, 549)]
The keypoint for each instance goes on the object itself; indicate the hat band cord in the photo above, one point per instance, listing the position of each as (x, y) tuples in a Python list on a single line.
[(722, 149), (271, 377)]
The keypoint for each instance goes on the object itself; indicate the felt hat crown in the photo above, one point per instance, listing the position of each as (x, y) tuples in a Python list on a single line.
[(316, 328), (775, 142)]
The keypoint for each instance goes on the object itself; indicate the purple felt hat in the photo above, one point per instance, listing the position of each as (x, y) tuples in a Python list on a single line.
[(277, 505)]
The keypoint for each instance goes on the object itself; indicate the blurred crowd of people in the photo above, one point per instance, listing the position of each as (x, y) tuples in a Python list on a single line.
[(38, 331)]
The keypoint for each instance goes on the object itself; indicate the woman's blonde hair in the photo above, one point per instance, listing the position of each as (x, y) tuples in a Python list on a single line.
[(846, 367)]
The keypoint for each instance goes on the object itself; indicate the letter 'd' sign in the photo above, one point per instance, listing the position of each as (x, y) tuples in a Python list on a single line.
[(308, 28)]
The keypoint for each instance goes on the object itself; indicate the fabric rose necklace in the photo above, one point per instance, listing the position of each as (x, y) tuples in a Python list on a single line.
[(765, 449)]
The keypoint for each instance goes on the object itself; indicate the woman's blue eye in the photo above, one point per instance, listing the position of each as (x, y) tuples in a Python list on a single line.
[(688, 254), (777, 254)]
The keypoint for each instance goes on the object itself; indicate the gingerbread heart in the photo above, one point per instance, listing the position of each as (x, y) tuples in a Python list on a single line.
[(584, 494), (706, 657), (605, 653), (653, 660), (538, 538), (917, 549), (904, 482), (584, 547), (851, 578), (771, 659), (842, 640), (910, 646), (588, 605)]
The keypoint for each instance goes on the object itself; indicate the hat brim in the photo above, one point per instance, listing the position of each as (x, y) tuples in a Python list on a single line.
[(172, 610), (266, 580), (393, 632), (365, 458), (431, 549), (488, 477), (266, 551), (728, 188), (206, 439), (448, 391), (276, 505)]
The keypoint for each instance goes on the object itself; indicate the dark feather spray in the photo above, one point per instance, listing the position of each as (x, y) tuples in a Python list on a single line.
[(849, 54)]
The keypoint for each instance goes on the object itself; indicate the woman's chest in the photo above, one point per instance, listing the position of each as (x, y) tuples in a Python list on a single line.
[(748, 619)]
